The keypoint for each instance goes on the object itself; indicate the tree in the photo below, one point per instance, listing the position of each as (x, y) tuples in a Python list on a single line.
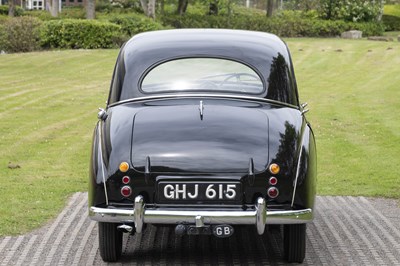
[(270, 8), (54, 6), (213, 8), (90, 9), (272, 5), (182, 6), (149, 8), (11, 7)]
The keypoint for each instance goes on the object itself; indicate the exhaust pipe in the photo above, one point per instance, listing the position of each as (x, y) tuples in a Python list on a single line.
[(125, 228)]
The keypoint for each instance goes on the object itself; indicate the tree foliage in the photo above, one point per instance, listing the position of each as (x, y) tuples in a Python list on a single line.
[(351, 10)]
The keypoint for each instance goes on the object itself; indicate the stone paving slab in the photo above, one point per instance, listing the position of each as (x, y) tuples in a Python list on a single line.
[(346, 231)]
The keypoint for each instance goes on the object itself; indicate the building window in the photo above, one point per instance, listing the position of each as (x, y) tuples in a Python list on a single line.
[(39, 4)]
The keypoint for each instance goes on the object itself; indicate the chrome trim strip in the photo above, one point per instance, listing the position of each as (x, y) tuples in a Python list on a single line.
[(201, 108), (258, 216), (101, 159), (229, 96), (297, 171)]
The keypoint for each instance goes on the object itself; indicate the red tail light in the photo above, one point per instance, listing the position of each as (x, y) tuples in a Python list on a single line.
[(273, 181), (126, 180), (273, 192), (126, 191)]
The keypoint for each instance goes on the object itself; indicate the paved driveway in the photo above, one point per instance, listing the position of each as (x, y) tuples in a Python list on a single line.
[(346, 231)]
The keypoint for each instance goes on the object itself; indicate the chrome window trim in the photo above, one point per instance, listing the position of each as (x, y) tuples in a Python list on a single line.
[(227, 96)]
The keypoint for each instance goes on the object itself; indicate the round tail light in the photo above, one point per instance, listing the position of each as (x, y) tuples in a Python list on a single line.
[(124, 167), (273, 181), (274, 169), (126, 191), (273, 192), (126, 180)]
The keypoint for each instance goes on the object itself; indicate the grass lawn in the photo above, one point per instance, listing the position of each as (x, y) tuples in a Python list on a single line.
[(49, 104), (352, 87), (393, 10)]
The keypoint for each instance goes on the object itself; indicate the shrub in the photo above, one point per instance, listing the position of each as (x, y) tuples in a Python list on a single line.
[(133, 24), (3, 10), (75, 34), (73, 12), (392, 23), (3, 19), (354, 10), (103, 6), (18, 10), (286, 24), (2, 38), (43, 15), (21, 34)]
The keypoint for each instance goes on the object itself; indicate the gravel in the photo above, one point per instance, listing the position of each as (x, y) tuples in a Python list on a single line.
[(345, 231)]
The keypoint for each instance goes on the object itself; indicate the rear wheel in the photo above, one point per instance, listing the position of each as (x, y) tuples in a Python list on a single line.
[(110, 242), (294, 241)]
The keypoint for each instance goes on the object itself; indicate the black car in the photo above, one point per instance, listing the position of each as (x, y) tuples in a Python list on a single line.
[(203, 131)]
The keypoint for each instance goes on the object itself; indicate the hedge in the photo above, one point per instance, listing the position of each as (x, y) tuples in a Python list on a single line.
[(19, 11), (281, 25), (75, 34), (133, 24), (392, 23), (20, 34)]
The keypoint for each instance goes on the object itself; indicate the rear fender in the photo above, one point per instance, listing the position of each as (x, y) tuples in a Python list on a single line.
[(97, 171), (304, 183)]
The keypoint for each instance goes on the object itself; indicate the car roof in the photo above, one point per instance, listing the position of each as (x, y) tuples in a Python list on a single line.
[(207, 38)]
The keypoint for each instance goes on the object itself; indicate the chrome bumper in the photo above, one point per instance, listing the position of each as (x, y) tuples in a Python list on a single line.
[(139, 215)]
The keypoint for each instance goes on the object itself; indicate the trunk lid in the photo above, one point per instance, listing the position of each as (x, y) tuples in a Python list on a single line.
[(178, 139)]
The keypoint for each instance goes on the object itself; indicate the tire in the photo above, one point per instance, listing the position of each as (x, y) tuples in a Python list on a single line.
[(110, 242), (294, 242)]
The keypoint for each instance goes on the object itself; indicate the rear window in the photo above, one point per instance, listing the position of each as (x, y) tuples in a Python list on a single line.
[(202, 74)]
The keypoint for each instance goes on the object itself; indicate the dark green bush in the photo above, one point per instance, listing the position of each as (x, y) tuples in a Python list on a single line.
[(104, 6), (290, 24), (3, 37), (43, 15), (18, 10), (21, 34), (392, 23), (75, 34), (73, 12), (3, 10), (133, 24)]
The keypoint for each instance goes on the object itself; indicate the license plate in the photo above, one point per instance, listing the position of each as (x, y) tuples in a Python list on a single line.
[(199, 191)]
